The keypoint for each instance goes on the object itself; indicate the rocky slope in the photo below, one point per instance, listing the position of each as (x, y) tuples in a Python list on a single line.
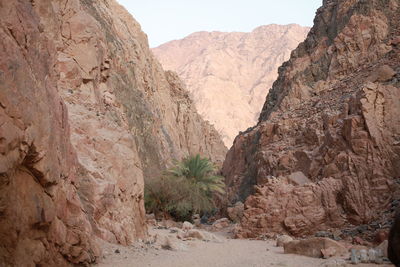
[(326, 150), (86, 114), (229, 74)]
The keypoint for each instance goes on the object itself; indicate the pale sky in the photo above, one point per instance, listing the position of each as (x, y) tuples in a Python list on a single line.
[(166, 20)]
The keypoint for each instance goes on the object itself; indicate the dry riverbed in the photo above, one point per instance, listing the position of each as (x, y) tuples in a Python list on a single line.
[(222, 252)]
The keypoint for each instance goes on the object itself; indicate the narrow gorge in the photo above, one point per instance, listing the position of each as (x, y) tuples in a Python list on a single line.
[(88, 116)]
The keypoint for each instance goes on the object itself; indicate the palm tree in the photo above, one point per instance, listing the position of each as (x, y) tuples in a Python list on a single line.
[(200, 172), (186, 188)]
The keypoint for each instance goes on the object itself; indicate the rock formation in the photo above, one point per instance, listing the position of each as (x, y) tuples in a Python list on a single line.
[(326, 150), (394, 241), (229, 74), (86, 114)]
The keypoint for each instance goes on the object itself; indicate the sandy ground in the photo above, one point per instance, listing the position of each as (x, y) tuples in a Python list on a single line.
[(228, 253)]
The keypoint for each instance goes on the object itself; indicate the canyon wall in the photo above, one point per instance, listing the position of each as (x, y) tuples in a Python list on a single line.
[(86, 115), (229, 73), (325, 152)]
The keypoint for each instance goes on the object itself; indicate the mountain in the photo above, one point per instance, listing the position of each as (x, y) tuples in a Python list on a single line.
[(87, 114), (229, 74), (325, 152)]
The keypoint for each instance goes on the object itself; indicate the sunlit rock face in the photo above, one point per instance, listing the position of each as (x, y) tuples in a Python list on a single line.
[(86, 115), (325, 152), (229, 74)]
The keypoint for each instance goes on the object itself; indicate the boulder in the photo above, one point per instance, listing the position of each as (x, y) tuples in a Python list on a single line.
[(381, 236), (282, 240), (169, 223), (382, 74), (316, 247), (383, 248), (187, 226), (170, 243), (235, 213), (193, 233), (220, 224), (298, 178)]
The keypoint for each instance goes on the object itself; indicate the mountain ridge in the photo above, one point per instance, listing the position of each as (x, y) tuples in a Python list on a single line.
[(240, 65)]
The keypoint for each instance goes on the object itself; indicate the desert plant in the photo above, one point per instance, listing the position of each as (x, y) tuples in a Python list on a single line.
[(184, 189)]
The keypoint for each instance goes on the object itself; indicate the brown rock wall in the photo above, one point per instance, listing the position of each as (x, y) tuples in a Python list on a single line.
[(86, 115), (332, 115)]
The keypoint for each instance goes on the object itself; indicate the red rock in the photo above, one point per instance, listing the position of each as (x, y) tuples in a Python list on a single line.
[(324, 118), (235, 213), (381, 236), (316, 247), (358, 240), (85, 116), (220, 224)]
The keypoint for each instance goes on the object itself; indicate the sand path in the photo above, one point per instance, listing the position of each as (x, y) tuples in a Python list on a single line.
[(228, 253)]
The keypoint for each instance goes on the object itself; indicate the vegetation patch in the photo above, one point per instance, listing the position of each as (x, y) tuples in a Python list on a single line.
[(185, 189)]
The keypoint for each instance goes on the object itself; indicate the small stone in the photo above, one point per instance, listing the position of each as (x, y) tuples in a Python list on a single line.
[(174, 230), (117, 251), (364, 256), (372, 255), (354, 257)]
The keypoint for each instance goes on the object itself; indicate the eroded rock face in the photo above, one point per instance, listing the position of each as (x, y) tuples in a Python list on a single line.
[(229, 74), (42, 219), (86, 114), (326, 150)]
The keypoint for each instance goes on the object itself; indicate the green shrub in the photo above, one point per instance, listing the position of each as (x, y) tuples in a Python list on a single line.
[(185, 189)]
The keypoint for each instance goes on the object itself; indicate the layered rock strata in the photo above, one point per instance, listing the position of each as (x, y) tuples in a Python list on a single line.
[(326, 150), (229, 73), (86, 114)]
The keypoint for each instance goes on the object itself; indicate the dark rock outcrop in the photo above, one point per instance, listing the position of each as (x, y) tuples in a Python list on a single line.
[(394, 241)]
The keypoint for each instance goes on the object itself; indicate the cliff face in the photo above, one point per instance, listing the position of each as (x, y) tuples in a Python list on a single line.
[(326, 150), (229, 74), (86, 114)]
